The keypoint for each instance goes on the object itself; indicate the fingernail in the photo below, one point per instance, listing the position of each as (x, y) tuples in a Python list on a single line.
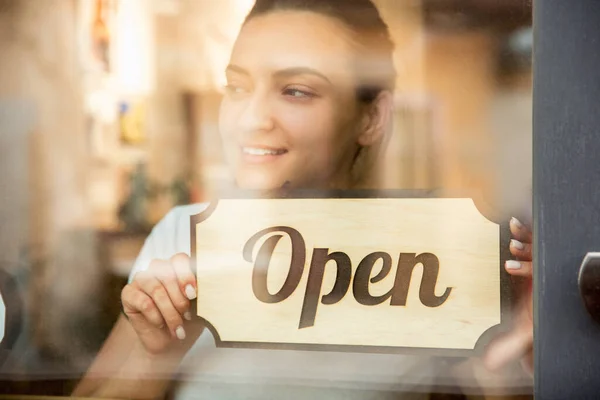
[(187, 315), (516, 222), (180, 332), (516, 244), (512, 264), (190, 292)]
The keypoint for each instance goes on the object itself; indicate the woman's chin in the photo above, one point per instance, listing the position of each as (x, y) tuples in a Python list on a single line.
[(260, 182)]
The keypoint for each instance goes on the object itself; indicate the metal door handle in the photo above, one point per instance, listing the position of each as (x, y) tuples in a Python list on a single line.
[(589, 284)]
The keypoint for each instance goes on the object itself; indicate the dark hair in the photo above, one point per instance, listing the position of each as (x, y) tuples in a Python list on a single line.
[(363, 18)]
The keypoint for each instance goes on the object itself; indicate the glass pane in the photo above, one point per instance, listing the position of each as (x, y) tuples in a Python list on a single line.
[(123, 119)]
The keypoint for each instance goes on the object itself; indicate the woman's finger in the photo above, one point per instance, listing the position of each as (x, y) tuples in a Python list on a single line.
[(155, 289), (187, 280), (518, 268), (165, 273), (520, 250), (520, 231), (137, 304)]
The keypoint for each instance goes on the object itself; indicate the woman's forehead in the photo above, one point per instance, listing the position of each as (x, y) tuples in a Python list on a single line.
[(290, 39)]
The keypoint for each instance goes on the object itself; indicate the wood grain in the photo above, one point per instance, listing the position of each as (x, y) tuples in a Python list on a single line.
[(452, 229)]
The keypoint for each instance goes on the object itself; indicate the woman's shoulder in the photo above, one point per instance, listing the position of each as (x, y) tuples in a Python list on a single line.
[(174, 228), (178, 217), (171, 235), (186, 210)]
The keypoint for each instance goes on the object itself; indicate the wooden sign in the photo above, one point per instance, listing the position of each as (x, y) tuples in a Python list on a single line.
[(351, 273)]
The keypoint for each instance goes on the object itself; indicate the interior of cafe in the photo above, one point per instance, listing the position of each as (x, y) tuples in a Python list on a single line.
[(109, 118)]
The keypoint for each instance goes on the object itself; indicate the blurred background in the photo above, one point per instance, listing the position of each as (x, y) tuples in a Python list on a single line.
[(108, 118)]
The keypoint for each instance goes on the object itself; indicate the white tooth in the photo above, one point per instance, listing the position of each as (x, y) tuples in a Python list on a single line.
[(259, 152)]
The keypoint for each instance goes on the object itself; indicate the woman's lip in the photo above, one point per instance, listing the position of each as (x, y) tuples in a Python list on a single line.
[(262, 151), (258, 155)]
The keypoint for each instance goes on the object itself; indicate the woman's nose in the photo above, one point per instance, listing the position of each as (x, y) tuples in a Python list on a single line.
[(257, 113)]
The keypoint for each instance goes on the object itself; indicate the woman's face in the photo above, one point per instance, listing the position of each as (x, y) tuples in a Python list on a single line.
[(290, 112)]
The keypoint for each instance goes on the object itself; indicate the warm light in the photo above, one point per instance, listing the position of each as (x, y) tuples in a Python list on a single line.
[(134, 55), (219, 48)]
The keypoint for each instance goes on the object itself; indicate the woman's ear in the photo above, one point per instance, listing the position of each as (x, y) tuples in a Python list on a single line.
[(376, 119)]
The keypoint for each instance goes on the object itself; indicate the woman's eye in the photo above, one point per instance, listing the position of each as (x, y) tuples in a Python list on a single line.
[(234, 89), (298, 94)]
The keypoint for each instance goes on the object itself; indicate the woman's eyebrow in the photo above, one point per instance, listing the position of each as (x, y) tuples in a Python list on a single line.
[(293, 71), (282, 73), (237, 69)]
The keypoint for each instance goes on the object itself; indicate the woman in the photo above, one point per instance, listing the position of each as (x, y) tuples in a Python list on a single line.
[(308, 104)]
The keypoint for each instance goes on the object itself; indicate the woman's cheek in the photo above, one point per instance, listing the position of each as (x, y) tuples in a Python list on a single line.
[(228, 127), (306, 124), (227, 119)]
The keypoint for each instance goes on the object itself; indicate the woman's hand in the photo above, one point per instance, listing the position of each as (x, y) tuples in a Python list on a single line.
[(157, 304), (517, 344)]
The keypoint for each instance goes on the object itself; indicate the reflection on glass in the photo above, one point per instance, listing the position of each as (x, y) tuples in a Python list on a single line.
[(302, 94)]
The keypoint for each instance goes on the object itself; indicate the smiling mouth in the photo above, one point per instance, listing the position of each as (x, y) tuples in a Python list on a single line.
[(261, 151)]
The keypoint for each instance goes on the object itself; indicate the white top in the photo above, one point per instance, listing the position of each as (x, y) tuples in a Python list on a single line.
[(208, 372)]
